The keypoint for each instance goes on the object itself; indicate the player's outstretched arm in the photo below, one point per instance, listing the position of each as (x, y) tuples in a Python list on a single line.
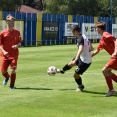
[(91, 48), (95, 52)]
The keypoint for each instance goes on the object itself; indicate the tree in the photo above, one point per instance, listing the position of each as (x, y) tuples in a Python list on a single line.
[(114, 8), (76, 7), (80, 7), (10, 5), (105, 7)]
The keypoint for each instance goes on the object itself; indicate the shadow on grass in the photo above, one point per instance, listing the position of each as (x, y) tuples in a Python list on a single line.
[(94, 92), (65, 89), (84, 91), (28, 88), (91, 92)]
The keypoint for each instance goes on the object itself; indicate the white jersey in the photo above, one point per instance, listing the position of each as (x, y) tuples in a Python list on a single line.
[(85, 56)]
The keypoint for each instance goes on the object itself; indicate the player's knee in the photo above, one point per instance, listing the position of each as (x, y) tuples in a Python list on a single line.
[(103, 71), (13, 71), (71, 64), (75, 75), (106, 71)]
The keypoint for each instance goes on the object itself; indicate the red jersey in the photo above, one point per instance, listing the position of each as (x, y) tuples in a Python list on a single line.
[(107, 43), (7, 40)]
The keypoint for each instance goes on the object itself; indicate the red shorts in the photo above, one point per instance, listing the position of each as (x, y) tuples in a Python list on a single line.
[(6, 63), (112, 64)]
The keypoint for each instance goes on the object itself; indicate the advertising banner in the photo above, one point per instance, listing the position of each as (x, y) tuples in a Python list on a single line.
[(68, 33), (89, 30), (114, 30), (50, 30)]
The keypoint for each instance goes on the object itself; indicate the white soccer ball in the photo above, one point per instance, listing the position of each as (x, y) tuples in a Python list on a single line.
[(52, 70)]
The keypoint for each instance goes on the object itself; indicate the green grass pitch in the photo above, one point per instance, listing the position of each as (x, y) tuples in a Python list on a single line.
[(39, 95)]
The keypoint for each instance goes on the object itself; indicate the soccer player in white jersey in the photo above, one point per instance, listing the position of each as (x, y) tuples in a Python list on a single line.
[(83, 57)]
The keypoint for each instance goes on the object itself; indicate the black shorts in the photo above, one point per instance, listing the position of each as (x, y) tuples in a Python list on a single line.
[(82, 67)]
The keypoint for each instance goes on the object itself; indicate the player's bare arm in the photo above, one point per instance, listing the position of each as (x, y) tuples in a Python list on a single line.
[(16, 46), (115, 52), (5, 53), (95, 52)]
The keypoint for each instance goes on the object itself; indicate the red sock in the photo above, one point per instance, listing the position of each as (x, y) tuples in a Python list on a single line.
[(114, 77), (109, 82), (6, 75), (13, 77)]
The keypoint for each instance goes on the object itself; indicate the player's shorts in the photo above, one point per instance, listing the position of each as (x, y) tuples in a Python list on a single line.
[(82, 67), (112, 64), (6, 63)]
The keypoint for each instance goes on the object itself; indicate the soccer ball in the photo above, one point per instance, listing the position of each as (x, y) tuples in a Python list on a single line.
[(52, 70)]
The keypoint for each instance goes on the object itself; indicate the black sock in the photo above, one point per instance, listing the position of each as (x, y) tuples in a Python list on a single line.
[(66, 67), (79, 81)]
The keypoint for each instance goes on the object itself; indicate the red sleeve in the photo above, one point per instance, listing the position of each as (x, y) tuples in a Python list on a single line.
[(100, 45)]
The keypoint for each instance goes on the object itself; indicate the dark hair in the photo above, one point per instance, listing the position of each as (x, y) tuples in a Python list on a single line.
[(101, 25), (75, 28)]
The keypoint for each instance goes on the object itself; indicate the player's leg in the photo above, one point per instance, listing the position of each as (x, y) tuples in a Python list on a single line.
[(113, 65), (4, 68), (78, 80), (114, 77), (66, 67), (13, 66), (109, 76), (82, 67)]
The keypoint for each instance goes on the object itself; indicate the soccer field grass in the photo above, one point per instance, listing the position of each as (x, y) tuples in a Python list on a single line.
[(39, 95)]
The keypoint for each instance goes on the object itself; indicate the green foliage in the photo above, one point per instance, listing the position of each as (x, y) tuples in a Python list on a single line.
[(76, 7), (68, 7), (114, 7), (55, 6), (105, 7), (80, 7), (10, 5), (15, 5)]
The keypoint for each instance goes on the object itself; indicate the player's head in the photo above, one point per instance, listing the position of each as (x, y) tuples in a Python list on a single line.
[(10, 20), (100, 26), (75, 30)]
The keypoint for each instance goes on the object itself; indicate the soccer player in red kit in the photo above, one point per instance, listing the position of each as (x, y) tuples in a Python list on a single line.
[(10, 40), (109, 43)]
